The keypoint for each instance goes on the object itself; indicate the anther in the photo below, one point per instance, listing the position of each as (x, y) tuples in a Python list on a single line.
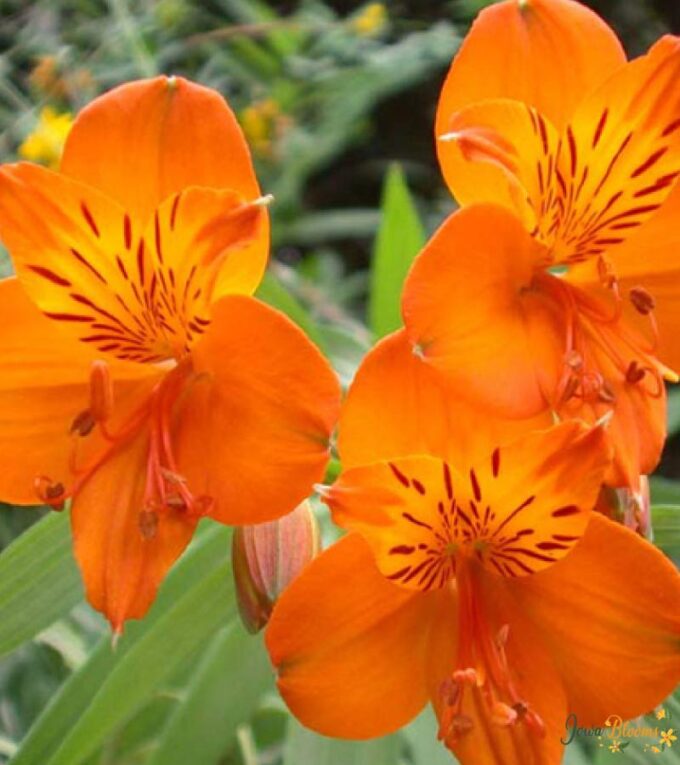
[(172, 477), (643, 302), (450, 692), (606, 273), (101, 391), (175, 502), (465, 676), (574, 360), (148, 524), (606, 393), (571, 388), (634, 373), (460, 725), (503, 715), (82, 424), (50, 492)]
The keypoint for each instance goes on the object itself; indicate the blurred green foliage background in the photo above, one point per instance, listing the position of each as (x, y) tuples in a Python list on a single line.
[(337, 100)]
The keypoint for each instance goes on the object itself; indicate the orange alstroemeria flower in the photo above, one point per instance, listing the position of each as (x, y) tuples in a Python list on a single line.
[(137, 377), (541, 114), (482, 584)]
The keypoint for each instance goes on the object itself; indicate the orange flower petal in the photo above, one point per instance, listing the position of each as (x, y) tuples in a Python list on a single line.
[(398, 405), (547, 53), (130, 294), (255, 427), (507, 332), (144, 141), (122, 554), (517, 512), (625, 657), (496, 151), (350, 648), (44, 385)]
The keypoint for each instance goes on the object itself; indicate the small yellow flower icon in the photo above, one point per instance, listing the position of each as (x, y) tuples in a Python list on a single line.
[(668, 737), (656, 750), (660, 714), (45, 143), (615, 746)]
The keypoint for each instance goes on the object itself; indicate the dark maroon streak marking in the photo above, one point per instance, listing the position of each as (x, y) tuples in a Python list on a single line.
[(415, 521), (68, 317), (50, 276), (415, 571), (530, 553), (650, 162), (121, 267), (496, 462), (157, 225), (466, 518), (614, 160), (417, 485), (140, 261), (447, 481), (564, 538), (517, 510), (403, 480), (81, 259), (475, 486), (600, 127), (551, 546), (89, 218), (572, 149), (86, 301), (400, 573), (544, 132), (201, 321), (402, 550), (563, 512), (173, 212), (127, 231)]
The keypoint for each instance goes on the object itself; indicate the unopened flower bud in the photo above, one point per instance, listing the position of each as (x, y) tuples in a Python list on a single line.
[(632, 509), (267, 557)]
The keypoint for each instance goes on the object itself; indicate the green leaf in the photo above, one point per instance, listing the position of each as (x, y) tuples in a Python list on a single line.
[(399, 239), (95, 698), (177, 636), (39, 581), (421, 736), (225, 691), (275, 294), (673, 412), (304, 746)]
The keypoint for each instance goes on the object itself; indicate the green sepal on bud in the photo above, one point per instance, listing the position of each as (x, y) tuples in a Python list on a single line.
[(267, 557)]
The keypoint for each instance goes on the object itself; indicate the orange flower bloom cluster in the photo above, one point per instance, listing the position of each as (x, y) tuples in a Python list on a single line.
[(476, 574), (138, 378)]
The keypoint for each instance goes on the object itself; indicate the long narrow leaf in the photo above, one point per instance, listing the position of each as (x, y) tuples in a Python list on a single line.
[(226, 689), (39, 581), (399, 239)]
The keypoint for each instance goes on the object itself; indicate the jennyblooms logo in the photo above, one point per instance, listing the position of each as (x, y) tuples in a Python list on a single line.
[(617, 734)]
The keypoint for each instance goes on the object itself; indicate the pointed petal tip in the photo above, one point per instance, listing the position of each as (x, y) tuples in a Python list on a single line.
[(263, 201)]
